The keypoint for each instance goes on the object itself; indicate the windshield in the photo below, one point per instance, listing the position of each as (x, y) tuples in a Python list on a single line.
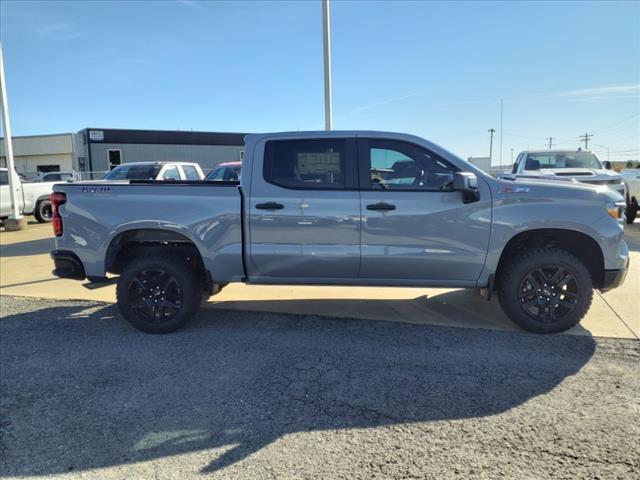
[(225, 174), (536, 161), (133, 172)]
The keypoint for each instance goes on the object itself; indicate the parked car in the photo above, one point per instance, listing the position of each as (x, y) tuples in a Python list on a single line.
[(156, 171), (632, 182), (54, 177), (345, 208), (33, 198), (228, 171), (568, 165)]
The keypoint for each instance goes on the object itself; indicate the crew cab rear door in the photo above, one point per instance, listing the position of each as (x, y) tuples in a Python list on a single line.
[(304, 209), (415, 227)]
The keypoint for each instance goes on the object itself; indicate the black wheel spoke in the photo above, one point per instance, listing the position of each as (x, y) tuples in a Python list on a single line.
[(547, 293), (557, 276), (564, 281), (155, 295)]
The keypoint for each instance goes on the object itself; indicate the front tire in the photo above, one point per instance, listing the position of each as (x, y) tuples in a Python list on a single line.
[(158, 294), (545, 290), (44, 211)]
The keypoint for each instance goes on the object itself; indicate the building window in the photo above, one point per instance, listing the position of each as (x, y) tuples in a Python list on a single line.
[(114, 157)]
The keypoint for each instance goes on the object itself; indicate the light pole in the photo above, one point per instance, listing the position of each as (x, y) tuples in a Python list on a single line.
[(491, 132), (15, 221), (326, 46)]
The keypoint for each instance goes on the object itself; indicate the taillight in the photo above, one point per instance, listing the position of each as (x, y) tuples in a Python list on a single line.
[(57, 199)]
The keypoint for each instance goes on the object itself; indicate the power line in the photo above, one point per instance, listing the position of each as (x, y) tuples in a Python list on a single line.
[(616, 123), (585, 138)]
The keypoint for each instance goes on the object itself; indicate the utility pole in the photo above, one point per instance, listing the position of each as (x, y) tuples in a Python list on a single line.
[(585, 138), (326, 44), (550, 142), (491, 131), (16, 220), (501, 111)]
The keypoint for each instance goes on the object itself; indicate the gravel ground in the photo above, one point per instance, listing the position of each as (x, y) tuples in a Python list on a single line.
[(246, 395)]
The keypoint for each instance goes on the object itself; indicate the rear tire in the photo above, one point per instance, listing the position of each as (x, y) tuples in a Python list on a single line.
[(631, 211), (158, 294), (43, 211), (545, 290)]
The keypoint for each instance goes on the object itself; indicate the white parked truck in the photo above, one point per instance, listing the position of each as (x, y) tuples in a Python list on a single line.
[(632, 182), (33, 198)]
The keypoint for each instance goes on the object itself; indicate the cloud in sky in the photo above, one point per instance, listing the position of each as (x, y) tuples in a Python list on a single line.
[(591, 95)]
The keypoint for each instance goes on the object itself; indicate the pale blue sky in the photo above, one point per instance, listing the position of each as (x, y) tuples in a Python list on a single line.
[(434, 69)]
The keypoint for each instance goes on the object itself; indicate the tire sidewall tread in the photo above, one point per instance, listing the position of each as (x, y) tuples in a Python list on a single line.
[(524, 262), (186, 276)]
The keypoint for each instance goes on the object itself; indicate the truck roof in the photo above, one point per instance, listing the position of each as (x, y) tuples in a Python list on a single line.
[(558, 150), (159, 162)]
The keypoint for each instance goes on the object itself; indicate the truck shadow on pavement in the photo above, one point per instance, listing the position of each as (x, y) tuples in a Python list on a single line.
[(81, 389), (27, 248)]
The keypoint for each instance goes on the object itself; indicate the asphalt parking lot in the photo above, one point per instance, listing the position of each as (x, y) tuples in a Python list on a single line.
[(263, 395), (428, 383)]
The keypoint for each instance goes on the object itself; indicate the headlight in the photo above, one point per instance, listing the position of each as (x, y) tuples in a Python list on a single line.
[(616, 210)]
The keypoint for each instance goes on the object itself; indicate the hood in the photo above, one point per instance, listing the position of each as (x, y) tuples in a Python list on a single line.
[(555, 187), (580, 174)]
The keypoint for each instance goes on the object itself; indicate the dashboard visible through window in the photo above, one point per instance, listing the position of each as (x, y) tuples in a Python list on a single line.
[(395, 165)]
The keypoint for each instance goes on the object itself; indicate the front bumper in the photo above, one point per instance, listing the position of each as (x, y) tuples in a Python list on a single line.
[(614, 278), (67, 265)]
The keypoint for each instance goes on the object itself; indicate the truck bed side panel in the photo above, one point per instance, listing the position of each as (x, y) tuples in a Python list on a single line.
[(208, 215)]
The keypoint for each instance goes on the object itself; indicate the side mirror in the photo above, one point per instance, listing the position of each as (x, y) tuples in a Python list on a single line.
[(607, 164), (467, 183)]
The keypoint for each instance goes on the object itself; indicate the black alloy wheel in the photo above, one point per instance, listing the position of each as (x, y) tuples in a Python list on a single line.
[(155, 295), (548, 293)]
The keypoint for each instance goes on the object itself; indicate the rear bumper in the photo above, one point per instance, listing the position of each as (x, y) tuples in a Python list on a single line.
[(614, 278), (67, 265)]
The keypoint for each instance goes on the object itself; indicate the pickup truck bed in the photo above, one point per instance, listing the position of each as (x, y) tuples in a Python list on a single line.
[(344, 208)]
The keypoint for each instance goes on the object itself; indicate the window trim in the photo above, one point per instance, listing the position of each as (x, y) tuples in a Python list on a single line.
[(364, 164), (351, 181)]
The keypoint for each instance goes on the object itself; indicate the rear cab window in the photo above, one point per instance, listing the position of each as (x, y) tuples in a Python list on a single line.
[(328, 164)]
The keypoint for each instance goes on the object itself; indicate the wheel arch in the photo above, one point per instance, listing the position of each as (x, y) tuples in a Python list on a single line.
[(129, 244), (577, 243)]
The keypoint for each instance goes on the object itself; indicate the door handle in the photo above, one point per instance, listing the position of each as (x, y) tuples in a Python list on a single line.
[(381, 206), (269, 206)]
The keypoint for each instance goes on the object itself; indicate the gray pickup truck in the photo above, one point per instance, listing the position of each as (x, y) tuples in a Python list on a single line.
[(344, 208)]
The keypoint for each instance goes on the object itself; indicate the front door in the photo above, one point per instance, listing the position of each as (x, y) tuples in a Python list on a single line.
[(415, 227), (305, 210)]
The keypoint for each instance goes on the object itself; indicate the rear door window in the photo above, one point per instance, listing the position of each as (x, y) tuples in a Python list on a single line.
[(190, 172), (311, 164)]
